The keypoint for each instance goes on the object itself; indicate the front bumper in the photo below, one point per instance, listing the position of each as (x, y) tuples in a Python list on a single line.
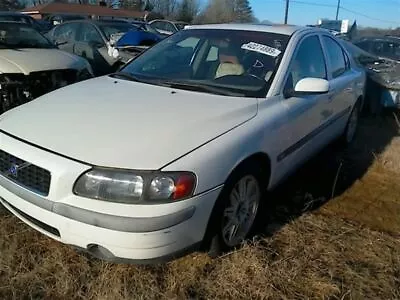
[(111, 231)]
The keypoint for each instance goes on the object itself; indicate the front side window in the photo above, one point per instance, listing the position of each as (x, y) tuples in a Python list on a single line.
[(65, 32), (336, 57), (308, 62), (232, 62), (158, 25), (169, 27), (18, 35)]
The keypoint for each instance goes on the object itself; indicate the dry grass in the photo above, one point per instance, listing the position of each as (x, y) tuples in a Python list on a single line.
[(347, 249)]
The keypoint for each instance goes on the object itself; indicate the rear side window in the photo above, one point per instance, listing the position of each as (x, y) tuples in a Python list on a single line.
[(336, 57)]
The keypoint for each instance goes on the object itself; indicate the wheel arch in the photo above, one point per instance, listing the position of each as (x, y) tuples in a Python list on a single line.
[(260, 158)]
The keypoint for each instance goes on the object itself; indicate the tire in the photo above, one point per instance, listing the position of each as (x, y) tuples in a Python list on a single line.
[(352, 125), (234, 215)]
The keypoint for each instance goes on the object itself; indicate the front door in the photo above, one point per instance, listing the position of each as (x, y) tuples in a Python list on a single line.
[(305, 111), (89, 44), (64, 36)]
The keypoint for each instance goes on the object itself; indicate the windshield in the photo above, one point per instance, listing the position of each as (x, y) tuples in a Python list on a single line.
[(17, 35), (231, 62), (117, 27)]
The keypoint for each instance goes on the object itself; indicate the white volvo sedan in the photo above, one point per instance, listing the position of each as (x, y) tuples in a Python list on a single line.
[(178, 149)]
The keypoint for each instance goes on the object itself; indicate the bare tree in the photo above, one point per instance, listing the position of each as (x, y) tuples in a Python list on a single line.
[(131, 4), (243, 11), (188, 10), (165, 7), (217, 11), (10, 5), (226, 11)]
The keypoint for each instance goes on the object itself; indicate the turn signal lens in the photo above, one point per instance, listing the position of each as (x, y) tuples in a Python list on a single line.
[(175, 187), (184, 186)]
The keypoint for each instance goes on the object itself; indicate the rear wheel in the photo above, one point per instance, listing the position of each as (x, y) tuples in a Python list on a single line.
[(236, 210)]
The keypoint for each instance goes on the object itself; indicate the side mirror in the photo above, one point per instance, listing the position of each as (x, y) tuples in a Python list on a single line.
[(312, 86), (59, 42)]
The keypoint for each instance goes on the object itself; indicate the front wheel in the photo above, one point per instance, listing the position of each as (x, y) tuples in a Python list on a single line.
[(235, 212)]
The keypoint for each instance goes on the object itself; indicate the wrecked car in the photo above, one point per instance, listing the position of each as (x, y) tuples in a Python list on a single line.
[(167, 27), (132, 43), (96, 42), (10, 16), (385, 47), (383, 78), (31, 66)]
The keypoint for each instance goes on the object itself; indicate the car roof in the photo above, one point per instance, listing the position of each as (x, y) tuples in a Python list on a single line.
[(16, 22), (274, 28), (96, 22), (11, 13)]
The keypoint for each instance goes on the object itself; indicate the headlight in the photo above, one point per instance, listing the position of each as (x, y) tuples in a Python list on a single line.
[(135, 187)]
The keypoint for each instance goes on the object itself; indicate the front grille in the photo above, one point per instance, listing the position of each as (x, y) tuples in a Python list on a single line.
[(25, 174)]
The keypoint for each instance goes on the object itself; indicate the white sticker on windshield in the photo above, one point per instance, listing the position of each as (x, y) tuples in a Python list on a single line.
[(264, 49)]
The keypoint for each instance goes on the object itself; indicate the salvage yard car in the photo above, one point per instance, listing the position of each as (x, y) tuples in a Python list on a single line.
[(95, 41), (383, 79), (31, 66), (178, 149), (9, 16), (166, 27)]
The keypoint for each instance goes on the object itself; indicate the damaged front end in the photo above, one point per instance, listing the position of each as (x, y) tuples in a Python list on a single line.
[(17, 89)]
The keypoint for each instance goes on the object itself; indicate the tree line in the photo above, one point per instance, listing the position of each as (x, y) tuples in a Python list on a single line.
[(191, 11)]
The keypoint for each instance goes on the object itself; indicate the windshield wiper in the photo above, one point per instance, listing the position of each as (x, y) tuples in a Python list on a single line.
[(201, 87), (127, 76), (192, 86)]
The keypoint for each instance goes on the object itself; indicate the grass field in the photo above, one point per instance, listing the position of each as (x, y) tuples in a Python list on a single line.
[(331, 232)]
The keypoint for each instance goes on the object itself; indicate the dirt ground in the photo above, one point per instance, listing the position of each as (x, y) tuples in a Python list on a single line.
[(332, 231)]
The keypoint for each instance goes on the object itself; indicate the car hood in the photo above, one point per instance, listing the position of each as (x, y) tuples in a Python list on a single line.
[(32, 60), (123, 124)]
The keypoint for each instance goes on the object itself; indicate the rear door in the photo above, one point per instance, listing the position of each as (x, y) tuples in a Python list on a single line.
[(342, 80), (305, 111)]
